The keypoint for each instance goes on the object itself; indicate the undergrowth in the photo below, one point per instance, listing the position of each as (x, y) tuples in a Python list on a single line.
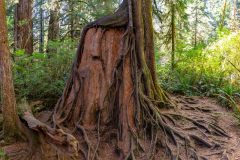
[(211, 70), (42, 76)]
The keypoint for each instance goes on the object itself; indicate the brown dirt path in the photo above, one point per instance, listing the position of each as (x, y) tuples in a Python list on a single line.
[(224, 118)]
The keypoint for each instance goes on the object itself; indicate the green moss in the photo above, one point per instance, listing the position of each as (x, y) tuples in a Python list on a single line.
[(3, 155)]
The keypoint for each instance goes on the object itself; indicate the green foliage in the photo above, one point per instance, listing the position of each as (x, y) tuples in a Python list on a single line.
[(41, 75), (173, 19), (221, 32), (208, 71), (237, 113), (19, 52), (2, 154)]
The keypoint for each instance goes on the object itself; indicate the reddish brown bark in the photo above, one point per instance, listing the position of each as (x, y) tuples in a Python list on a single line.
[(8, 101), (100, 55), (23, 35), (93, 96), (105, 89)]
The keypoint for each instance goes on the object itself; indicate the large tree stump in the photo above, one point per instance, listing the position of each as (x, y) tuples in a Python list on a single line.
[(95, 96), (101, 55)]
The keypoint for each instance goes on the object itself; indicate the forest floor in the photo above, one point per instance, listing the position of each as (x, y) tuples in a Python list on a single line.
[(190, 106), (224, 118)]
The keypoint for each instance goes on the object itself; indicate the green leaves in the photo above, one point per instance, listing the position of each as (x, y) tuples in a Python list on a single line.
[(2, 154), (43, 75), (221, 32), (19, 52), (39, 55), (206, 70)]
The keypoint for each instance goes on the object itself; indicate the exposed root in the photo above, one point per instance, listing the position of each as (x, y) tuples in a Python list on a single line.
[(58, 137), (98, 135), (86, 139)]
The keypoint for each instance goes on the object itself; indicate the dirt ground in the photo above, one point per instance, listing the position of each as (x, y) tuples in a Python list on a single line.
[(223, 117), (207, 108)]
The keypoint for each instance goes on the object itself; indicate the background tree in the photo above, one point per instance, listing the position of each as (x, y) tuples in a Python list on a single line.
[(235, 18), (23, 34), (11, 122), (41, 37), (173, 18), (198, 21), (223, 15), (53, 27)]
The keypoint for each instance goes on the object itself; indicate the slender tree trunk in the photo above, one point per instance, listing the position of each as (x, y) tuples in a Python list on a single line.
[(11, 121), (173, 34), (235, 10), (23, 35), (41, 38), (53, 30), (235, 20), (196, 25), (72, 28), (223, 15)]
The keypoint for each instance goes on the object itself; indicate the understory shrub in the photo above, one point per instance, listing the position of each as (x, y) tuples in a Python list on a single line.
[(43, 75), (209, 71)]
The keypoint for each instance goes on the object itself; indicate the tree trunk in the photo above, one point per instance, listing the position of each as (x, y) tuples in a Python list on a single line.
[(196, 25), (72, 18), (148, 37), (223, 15), (235, 11), (11, 121), (41, 38), (173, 29), (111, 81), (23, 35), (53, 30)]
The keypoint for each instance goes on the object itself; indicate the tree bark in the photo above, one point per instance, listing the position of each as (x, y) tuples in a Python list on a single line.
[(11, 121), (111, 81), (53, 30), (148, 37), (41, 38), (173, 34), (196, 25), (23, 35), (72, 19)]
